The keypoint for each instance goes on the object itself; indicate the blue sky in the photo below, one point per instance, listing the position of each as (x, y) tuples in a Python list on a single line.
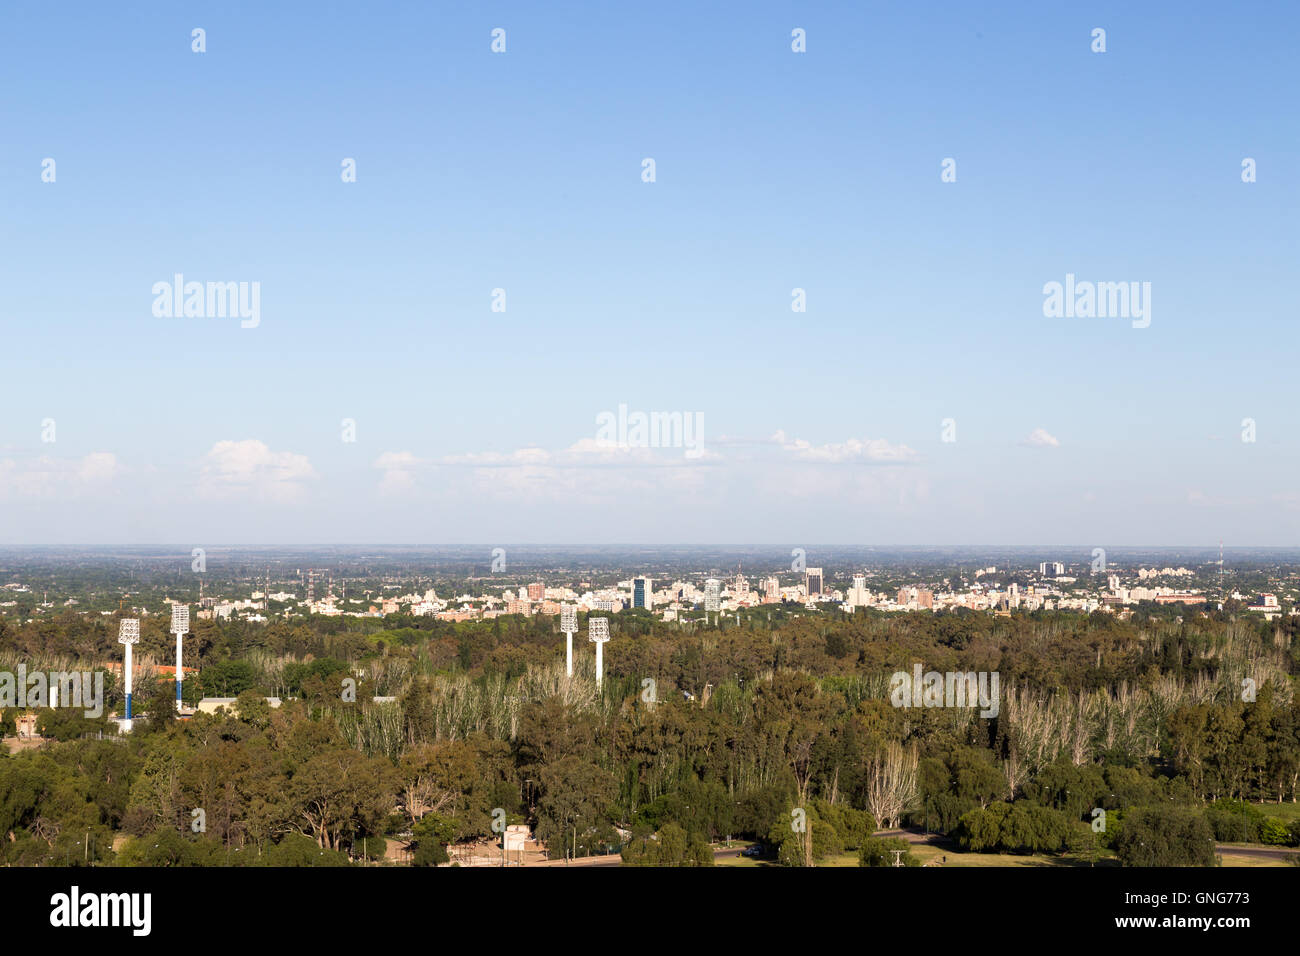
[(522, 171)]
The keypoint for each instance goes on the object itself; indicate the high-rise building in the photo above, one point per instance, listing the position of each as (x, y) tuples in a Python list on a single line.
[(643, 593), (812, 582), (925, 599), (859, 596), (712, 595), (772, 591), (536, 591)]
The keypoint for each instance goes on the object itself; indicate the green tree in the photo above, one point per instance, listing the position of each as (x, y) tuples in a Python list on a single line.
[(887, 851), (298, 849), (573, 810), (801, 837), (431, 835), (1166, 836)]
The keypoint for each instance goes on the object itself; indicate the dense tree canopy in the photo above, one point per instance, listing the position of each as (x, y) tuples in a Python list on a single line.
[(750, 720)]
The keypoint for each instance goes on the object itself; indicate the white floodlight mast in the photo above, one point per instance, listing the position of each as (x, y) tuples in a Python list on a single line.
[(128, 634), (180, 627), (598, 633), (569, 625)]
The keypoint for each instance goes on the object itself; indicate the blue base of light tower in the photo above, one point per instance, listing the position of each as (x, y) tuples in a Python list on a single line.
[(128, 706)]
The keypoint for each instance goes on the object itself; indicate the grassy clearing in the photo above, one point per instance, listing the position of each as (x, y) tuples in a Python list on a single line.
[(936, 856), (1286, 812), (947, 857), (1233, 859)]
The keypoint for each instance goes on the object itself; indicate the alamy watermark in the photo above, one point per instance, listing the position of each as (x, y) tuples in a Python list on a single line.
[(40, 689), (129, 910), (951, 689), (1098, 300), (211, 300), (651, 430)]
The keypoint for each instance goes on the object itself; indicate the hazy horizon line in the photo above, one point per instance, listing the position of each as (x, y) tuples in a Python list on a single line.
[(644, 544)]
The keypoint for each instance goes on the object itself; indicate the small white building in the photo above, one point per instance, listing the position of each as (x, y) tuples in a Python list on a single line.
[(210, 705)]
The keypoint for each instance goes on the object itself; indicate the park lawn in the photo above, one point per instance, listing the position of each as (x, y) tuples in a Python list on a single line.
[(934, 855), (1286, 812), (958, 859), (1232, 859)]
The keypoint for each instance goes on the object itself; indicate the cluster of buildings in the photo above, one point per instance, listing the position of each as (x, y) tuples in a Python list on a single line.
[(1144, 573), (642, 592), (1267, 605), (211, 609), (1053, 588), (730, 594)]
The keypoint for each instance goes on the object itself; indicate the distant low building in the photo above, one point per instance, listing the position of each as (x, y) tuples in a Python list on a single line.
[(1268, 606), (26, 725), (1181, 598), (210, 705)]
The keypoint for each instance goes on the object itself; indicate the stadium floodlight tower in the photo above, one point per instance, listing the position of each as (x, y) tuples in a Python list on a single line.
[(598, 634), (180, 627), (569, 625), (128, 634)]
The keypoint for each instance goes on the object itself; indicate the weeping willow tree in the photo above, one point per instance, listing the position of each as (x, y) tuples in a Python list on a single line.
[(376, 729), (448, 707), (891, 782), (268, 670), (1039, 726), (858, 687), (390, 676), (11, 660)]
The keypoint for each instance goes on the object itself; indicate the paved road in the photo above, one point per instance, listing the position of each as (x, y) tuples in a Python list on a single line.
[(719, 853), (611, 860), (912, 836), (1258, 852), (918, 837), (1249, 850)]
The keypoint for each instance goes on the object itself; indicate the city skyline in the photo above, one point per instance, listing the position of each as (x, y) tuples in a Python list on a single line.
[(683, 437)]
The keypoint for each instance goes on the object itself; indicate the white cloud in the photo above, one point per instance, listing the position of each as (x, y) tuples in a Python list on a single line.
[(870, 451), (594, 471), (250, 468), (98, 466), (399, 468), (47, 477), (587, 468), (1039, 438), (492, 459)]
